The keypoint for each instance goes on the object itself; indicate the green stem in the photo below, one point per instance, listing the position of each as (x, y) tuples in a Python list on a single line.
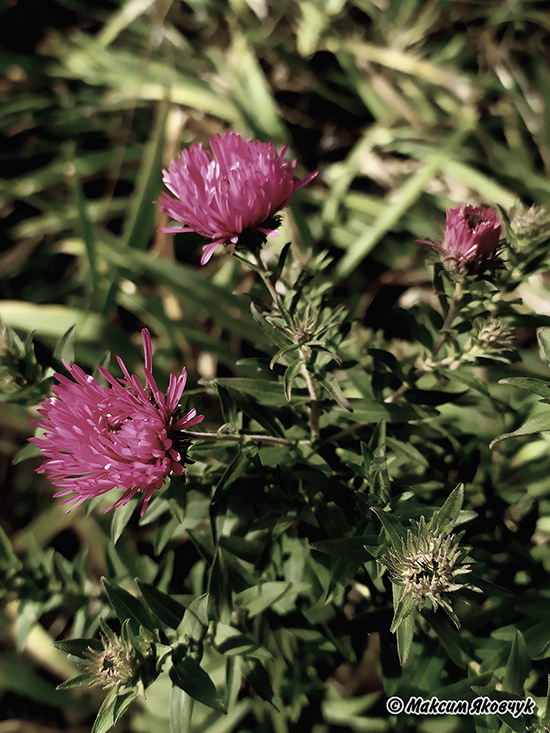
[(238, 438), (314, 406), (456, 304), (267, 280)]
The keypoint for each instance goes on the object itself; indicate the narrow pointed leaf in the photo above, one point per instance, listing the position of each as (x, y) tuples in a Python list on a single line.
[(167, 609), (65, 348), (192, 679), (536, 424), (181, 709), (446, 517), (128, 606), (274, 335), (258, 678)]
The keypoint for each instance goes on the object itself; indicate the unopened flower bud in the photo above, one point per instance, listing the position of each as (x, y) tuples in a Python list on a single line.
[(427, 564), (471, 238), (528, 226), (496, 336), (113, 666)]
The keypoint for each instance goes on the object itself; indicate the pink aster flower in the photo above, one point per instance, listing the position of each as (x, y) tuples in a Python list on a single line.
[(123, 436), (471, 237), (229, 195)]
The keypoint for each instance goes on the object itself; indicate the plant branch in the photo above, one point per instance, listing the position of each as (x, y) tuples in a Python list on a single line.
[(267, 280), (314, 406), (239, 437), (454, 308)]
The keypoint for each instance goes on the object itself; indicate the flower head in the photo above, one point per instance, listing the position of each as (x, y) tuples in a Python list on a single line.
[(427, 566), (229, 195), (471, 237), (121, 660), (528, 227), (124, 436), (494, 336)]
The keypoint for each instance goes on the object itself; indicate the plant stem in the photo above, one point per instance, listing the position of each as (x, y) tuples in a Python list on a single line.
[(454, 308), (267, 280), (456, 303), (314, 406), (239, 437)]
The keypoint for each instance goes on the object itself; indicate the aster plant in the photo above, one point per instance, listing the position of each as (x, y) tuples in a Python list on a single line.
[(318, 506)]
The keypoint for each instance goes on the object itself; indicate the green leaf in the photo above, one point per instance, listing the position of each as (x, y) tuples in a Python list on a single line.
[(195, 619), (518, 724), (7, 555), (518, 666), (251, 90), (181, 710), (268, 391), (404, 634), (262, 596), (229, 409), (219, 591), (77, 647), (65, 349), (82, 680), (187, 674), (401, 610), (258, 678), (121, 517), (278, 271), (234, 471), (545, 717), (544, 338), (127, 606), (86, 230), (463, 377), (350, 549), (256, 411), (445, 517), (449, 638), (139, 224), (389, 360), (393, 527), (536, 424), (407, 450), (167, 609), (232, 642), (113, 708), (536, 386), (291, 373), (335, 391), (274, 335), (31, 450), (121, 19)]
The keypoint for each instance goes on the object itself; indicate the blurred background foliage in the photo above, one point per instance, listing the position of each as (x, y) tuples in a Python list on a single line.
[(404, 107)]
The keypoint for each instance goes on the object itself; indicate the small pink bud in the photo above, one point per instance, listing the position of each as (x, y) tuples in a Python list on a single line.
[(471, 237)]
